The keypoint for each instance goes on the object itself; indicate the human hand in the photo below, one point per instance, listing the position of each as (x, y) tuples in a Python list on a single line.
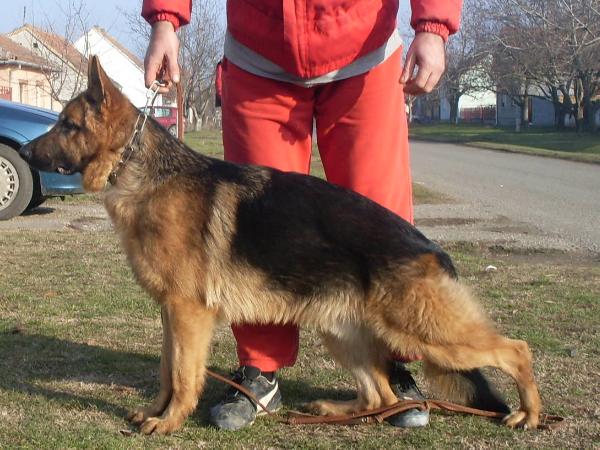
[(428, 53), (161, 56)]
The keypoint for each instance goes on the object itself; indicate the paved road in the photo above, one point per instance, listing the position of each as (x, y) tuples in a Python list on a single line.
[(532, 201)]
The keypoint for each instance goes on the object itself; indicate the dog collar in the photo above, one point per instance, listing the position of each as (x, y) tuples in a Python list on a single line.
[(138, 128)]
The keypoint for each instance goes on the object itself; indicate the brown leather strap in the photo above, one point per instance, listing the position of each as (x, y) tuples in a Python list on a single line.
[(378, 415), (240, 388), (180, 106)]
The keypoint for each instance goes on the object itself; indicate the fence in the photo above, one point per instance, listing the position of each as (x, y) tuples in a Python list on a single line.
[(481, 114)]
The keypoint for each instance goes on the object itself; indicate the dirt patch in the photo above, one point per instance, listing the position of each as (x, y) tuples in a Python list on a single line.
[(87, 223), (508, 252), (57, 216), (445, 221)]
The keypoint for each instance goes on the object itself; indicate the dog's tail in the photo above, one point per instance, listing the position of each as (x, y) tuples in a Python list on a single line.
[(470, 388)]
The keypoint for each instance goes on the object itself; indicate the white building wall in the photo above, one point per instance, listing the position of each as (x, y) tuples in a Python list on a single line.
[(126, 74), (477, 99)]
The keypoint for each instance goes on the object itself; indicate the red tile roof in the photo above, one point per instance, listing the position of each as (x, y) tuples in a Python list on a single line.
[(59, 45), (11, 51)]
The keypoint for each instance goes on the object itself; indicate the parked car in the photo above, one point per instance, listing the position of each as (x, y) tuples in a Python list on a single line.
[(166, 116), (22, 187)]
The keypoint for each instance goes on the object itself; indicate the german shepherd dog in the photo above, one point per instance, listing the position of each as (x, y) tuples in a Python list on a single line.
[(214, 241)]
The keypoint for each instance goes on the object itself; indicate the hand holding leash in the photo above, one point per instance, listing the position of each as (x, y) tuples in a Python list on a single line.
[(161, 56)]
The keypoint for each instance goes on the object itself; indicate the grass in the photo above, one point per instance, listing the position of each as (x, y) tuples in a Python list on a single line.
[(80, 345), (545, 142)]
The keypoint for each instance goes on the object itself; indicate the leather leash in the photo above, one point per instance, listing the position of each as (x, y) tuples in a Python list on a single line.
[(378, 415), (180, 105)]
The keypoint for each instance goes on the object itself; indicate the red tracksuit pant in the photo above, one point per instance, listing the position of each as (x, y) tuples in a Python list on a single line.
[(363, 143)]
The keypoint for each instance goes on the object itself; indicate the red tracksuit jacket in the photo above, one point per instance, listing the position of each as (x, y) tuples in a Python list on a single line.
[(313, 37)]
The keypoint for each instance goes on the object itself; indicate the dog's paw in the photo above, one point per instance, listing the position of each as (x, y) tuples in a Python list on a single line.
[(156, 425), (321, 408), (522, 419), (139, 415)]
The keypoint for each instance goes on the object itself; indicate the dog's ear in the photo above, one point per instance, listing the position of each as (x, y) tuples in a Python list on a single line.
[(96, 77), (100, 87)]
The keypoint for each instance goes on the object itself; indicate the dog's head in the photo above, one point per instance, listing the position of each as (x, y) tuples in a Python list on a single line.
[(89, 134)]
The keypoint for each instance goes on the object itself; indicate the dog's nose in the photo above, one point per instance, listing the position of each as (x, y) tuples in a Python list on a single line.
[(25, 152)]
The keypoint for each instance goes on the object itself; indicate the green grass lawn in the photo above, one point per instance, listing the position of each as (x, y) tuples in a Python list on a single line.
[(80, 345), (547, 142)]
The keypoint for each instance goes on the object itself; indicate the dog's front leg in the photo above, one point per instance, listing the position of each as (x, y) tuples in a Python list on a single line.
[(189, 326), (156, 408)]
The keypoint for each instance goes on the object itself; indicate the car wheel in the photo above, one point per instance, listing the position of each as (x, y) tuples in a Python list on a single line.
[(37, 198), (36, 201), (16, 183), (173, 130)]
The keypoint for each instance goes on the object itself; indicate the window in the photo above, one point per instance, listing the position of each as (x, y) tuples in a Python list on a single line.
[(161, 112)]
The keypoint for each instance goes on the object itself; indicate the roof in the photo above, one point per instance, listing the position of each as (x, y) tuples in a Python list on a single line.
[(11, 51), (62, 47), (135, 59)]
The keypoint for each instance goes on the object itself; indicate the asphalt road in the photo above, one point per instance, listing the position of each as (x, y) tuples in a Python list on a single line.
[(527, 200)]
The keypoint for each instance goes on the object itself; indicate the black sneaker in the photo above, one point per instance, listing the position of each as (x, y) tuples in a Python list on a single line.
[(237, 410), (405, 388)]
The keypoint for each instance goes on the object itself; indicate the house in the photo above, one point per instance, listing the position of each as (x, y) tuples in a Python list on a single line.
[(475, 107), (540, 110), (120, 64), (23, 76), (67, 68)]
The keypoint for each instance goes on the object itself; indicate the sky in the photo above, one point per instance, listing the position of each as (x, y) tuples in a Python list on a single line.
[(106, 13)]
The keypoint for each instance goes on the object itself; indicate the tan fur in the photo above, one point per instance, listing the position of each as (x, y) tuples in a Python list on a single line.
[(180, 251)]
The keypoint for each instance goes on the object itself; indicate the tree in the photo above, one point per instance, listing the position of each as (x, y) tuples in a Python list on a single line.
[(553, 45), (67, 68), (467, 58)]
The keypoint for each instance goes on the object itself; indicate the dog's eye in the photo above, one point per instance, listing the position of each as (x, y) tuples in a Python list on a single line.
[(67, 124)]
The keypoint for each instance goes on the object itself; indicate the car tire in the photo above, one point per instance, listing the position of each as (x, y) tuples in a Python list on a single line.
[(36, 201), (173, 130), (37, 198), (16, 183)]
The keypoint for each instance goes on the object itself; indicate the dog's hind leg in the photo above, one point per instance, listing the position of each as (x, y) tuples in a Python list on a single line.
[(190, 328), (436, 317), (156, 408), (508, 355), (359, 351)]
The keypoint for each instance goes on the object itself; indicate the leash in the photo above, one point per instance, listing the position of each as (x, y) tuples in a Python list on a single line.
[(138, 128), (180, 105), (378, 415), (140, 124)]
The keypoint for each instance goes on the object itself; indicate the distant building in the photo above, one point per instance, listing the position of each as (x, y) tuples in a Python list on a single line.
[(540, 111), (476, 107), (23, 76), (120, 64), (67, 67)]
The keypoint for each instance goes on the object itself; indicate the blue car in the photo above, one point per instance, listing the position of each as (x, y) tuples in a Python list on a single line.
[(22, 187)]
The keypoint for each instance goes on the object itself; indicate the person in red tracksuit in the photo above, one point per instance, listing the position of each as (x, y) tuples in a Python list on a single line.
[(291, 63)]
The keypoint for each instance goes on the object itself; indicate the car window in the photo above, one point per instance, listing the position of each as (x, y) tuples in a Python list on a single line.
[(161, 112)]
